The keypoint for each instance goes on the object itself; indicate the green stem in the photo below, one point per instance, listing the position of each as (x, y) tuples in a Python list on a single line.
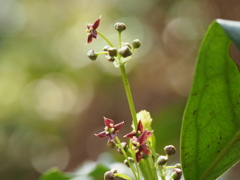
[(129, 96), (119, 39), (125, 155), (106, 39), (160, 168), (153, 168)]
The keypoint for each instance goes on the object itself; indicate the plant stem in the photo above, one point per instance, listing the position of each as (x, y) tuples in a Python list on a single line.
[(106, 39), (125, 155), (129, 95), (160, 168), (119, 39)]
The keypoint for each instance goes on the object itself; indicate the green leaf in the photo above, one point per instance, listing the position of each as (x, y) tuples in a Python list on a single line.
[(210, 137), (55, 174), (122, 176), (98, 172)]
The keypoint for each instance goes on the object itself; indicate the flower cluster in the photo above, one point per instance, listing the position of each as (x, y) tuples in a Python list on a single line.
[(118, 55), (139, 152)]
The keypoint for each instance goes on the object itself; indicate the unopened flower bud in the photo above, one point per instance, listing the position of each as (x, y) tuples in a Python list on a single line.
[(146, 119), (111, 144), (114, 171), (111, 59), (127, 44), (129, 159), (109, 175), (112, 51), (162, 160), (92, 55), (125, 51), (105, 48), (120, 26), (177, 174), (178, 165), (136, 43), (125, 147), (170, 150)]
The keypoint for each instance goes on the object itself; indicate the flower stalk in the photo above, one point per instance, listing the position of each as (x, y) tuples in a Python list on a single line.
[(140, 154)]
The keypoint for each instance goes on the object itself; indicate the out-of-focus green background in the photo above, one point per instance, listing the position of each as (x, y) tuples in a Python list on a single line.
[(53, 98)]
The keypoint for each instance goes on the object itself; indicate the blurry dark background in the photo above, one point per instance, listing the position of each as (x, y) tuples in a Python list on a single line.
[(53, 98)]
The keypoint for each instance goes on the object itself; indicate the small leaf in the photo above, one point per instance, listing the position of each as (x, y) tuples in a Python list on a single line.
[(210, 137), (55, 174), (98, 172), (123, 176)]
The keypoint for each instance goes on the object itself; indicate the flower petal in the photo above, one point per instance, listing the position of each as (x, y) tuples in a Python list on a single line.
[(118, 126), (140, 126), (138, 156), (145, 149), (101, 134), (112, 136), (131, 135), (90, 38), (143, 137), (107, 122), (96, 23), (94, 33)]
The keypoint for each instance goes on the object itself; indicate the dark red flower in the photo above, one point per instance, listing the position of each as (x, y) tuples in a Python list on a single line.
[(140, 146), (91, 30), (110, 129), (137, 132)]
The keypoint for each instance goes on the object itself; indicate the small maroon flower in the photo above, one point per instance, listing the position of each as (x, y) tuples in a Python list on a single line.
[(140, 146), (91, 30), (110, 129), (137, 132)]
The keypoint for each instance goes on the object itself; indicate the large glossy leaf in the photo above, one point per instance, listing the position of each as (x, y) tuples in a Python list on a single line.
[(210, 137)]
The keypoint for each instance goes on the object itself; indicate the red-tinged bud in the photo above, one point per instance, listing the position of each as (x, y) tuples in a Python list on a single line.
[(112, 51), (120, 26), (170, 150), (162, 160), (92, 55), (177, 174), (111, 59), (109, 175), (125, 51)]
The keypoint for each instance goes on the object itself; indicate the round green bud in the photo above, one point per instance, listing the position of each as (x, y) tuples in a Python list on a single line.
[(120, 26), (125, 51), (125, 147), (170, 150), (109, 175), (177, 174), (92, 55), (111, 144), (112, 51), (162, 160), (178, 165), (105, 48), (136, 43)]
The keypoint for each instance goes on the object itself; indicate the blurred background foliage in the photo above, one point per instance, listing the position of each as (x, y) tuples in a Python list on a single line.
[(53, 98)]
